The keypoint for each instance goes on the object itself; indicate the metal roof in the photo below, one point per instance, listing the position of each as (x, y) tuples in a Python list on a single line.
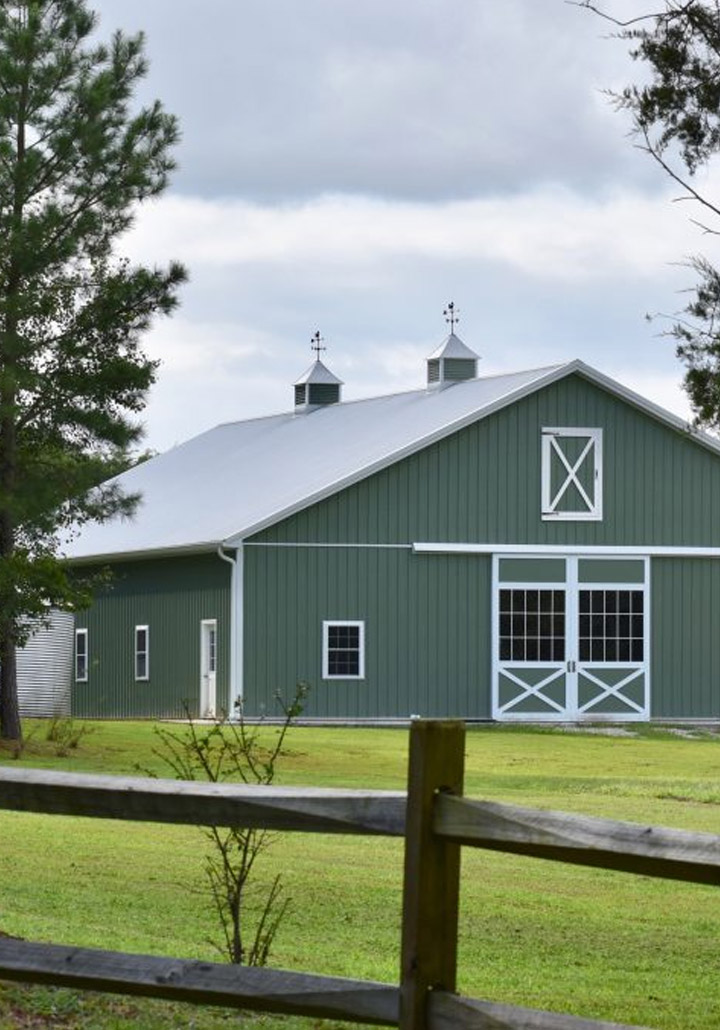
[(318, 373), (241, 477), (453, 347)]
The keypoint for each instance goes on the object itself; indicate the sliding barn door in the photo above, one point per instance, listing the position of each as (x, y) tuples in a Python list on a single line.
[(570, 639)]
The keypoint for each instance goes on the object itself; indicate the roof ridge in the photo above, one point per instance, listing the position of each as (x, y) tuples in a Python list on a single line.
[(289, 413)]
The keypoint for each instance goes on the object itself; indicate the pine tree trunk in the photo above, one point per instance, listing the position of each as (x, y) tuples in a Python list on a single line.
[(10, 727)]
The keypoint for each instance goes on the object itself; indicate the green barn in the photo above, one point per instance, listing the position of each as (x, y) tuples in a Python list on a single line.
[(543, 545)]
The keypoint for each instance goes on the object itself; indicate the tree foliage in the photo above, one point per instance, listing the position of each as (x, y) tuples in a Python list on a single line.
[(75, 162), (675, 117)]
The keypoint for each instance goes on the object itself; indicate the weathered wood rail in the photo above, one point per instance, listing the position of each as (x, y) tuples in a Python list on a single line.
[(435, 820)]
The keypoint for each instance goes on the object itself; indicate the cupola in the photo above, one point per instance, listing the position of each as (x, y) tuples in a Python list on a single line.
[(453, 361), (318, 386)]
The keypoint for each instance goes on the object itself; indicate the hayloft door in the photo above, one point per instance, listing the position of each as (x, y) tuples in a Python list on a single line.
[(208, 668), (571, 639)]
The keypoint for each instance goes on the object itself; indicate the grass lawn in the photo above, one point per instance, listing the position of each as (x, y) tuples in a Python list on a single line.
[(598, 944)]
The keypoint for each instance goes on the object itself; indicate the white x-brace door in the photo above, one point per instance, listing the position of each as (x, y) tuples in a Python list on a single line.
[(569, 650), (571, 474)]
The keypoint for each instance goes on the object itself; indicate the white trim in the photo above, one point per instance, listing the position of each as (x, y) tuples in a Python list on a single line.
[(146, 652), (311, 544), (238, 628), (567, 550), (592, 451), (81, 632), (236, 676), (327, 623)]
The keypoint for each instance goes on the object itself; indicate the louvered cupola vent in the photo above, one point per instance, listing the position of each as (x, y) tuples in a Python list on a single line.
[(453, 361), (318, 387)]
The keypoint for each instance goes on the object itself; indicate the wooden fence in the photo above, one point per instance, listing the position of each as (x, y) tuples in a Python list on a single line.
[(435, 820)]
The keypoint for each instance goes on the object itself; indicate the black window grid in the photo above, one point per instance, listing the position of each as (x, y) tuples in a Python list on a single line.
[(611, 625), (532, 625)]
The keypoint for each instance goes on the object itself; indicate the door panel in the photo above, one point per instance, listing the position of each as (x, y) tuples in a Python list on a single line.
[(208, 668), (568, 651)]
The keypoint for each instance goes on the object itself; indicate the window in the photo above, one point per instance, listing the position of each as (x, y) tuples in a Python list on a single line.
[(532, 625), (343, 650), (571, 481), (81, 655), (142, 653), (612, 626)]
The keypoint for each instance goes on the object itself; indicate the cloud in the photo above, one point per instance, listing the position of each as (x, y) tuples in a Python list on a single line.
[(418, 99), (551, 233)]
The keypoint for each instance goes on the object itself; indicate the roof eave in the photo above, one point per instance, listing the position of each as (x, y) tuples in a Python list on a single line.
[(203, 547)]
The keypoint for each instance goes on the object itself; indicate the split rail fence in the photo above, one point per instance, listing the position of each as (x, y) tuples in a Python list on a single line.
[(435, 820)]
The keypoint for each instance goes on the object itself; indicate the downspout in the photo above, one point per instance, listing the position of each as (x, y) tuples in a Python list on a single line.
[(236, 625)]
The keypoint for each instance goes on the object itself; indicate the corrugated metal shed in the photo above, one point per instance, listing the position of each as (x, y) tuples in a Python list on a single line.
[(44, 668)]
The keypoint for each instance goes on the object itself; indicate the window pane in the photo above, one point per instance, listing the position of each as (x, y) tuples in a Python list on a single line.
[(530, 633), (344, 656)]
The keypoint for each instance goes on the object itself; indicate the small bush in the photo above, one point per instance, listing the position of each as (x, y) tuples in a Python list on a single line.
[(65, 734)]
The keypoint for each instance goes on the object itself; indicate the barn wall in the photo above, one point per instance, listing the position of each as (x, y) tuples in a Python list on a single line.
[(171, 596), (686, 641), (427, 630), (429, 645), (482, 484)]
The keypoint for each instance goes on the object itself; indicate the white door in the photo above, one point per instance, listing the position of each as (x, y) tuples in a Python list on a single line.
[(571, 639), (208, 668)]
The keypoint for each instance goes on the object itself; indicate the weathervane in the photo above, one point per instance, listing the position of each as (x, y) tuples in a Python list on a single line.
[(451, 317), (316, 344)]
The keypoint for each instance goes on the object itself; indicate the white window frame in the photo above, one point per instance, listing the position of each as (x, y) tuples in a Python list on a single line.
[(326, 674), (593, 452), (81, 634), (145, 651)]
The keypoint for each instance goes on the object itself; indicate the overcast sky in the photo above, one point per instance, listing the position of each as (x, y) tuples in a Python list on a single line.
[(353, 165)]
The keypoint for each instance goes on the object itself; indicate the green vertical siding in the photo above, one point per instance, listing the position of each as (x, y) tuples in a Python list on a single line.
[(427, 630), (428, 617), (685, 670), (171, 596), (482, 484)]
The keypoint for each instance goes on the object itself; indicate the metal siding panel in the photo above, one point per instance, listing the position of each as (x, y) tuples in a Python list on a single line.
[(685, 643), (427, 630), (171, 596), (44, 668)]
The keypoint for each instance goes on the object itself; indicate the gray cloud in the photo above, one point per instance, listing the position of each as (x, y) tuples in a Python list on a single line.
[(422, 99)]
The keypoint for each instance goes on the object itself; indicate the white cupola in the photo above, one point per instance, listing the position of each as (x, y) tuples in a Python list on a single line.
[(452, 362), (318, 386)]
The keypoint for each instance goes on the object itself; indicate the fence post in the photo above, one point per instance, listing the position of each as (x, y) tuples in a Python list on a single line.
[(432, 870)]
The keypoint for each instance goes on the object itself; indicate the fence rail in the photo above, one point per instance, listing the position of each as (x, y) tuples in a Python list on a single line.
[(435, 820)]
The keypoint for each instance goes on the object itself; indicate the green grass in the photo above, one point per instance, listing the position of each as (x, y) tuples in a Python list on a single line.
[(599, 944)]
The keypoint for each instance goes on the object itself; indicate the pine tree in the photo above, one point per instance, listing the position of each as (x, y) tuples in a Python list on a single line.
[(75, 161)]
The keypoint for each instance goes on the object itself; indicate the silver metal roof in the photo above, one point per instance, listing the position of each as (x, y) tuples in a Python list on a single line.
[(241, 477), (318, 373), (453, 347)]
